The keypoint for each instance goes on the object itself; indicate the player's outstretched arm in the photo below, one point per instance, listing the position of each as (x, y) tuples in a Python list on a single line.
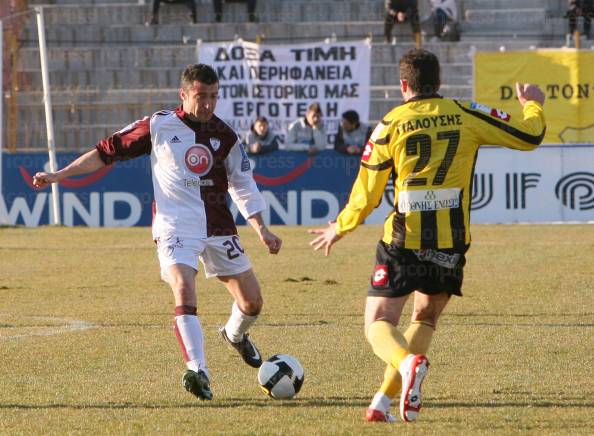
[(326, 239), (87, 163), (268, 238), (527, 92)]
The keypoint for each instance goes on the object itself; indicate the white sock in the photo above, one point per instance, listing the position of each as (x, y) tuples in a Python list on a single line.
[(191, 339), (381, 402), (238, 323)]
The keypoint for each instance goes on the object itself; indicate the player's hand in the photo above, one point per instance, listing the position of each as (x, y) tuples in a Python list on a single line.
[(326, 239), (41, 180), (353, 149), (527, 92), (255, 147), (269, 239)]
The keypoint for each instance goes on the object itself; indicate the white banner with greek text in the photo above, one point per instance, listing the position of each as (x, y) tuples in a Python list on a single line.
[(279, 82)]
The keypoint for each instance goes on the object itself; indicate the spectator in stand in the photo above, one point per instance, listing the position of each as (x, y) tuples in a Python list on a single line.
[(307, 133), (445, 19), (157, 4), (580, 8), (260, 139), (352, 134), (399, 11), (251, 9)]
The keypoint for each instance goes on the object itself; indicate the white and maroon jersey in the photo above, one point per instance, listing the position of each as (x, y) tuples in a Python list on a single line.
[(194, 165)]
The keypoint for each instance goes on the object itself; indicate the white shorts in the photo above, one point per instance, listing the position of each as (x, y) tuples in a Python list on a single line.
[(220, 255)]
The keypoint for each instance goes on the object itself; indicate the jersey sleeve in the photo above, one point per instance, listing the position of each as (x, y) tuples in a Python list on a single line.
[(242, 186), (376, 166), (496, 127), (132, 141)]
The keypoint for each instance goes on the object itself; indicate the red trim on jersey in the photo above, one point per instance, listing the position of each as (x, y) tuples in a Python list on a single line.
[(502, 115), (367, 151), (132, 141), (281, 180)]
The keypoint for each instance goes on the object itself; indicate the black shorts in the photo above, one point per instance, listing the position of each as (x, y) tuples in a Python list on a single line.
[(400, 271)]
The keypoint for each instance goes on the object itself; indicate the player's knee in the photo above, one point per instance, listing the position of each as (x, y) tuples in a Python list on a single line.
[(251, 307), (427, 314)]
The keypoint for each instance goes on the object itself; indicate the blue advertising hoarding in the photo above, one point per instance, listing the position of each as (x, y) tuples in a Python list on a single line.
[(554, 183), (298, 188)]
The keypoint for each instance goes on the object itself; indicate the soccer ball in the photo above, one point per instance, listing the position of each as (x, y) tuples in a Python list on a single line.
[(281, 376)]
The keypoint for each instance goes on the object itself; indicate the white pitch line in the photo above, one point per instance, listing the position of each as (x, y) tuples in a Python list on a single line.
[(67, 326)]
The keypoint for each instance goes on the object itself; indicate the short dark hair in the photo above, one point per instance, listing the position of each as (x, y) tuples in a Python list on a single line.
[(316, 108), (198, 73), (420, 68), (351, 116)]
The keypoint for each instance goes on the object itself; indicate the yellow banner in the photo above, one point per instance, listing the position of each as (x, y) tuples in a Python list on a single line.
[(565, 76)]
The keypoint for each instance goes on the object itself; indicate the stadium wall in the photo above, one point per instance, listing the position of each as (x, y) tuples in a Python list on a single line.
[(554, 183)]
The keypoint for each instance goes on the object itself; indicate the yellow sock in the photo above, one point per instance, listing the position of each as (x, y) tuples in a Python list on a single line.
[(387, 342), (418, 335), (392, 382)]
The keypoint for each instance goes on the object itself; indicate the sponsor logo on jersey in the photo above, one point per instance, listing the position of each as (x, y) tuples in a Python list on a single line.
[(196, 183), (481, 107), (199, 159), (433, 199), (380, 275), (503, 116), (497, 113), (175, 140), (215, 143), (367, 151)]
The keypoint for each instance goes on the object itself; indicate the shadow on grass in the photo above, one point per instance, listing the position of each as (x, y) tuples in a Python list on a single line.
[(330, 402)]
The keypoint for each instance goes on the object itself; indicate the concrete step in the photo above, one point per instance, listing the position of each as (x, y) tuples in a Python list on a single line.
[(80, 124), (551, 28), (551, 5), (268, 11), (506, 19), (140, 35), (93, 57), (72, 34)]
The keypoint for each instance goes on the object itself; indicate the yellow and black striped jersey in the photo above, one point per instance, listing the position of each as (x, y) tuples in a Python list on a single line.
[(431, 146)]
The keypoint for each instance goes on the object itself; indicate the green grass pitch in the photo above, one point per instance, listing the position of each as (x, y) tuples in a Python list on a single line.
[(87, 345)]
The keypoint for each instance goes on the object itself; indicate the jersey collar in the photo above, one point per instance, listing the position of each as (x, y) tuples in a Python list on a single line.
[(194, 125), (422, 97)]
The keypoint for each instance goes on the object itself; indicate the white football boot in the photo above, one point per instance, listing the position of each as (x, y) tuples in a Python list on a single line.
[(413, 370)]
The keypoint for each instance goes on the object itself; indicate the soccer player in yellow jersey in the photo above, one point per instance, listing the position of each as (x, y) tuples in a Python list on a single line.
[(430, 144)]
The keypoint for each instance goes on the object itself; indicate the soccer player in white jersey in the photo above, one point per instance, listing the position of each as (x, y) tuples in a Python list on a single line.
[(196, 159)]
